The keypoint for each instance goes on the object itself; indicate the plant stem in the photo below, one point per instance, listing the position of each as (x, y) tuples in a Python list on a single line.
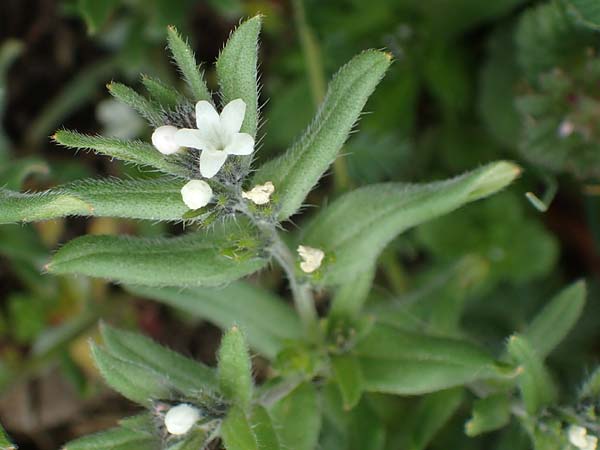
[(316, 78)]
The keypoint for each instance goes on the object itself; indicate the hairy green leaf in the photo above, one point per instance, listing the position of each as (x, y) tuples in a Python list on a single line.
[(355, 228), (262, 425), (534, 380), (137, 382), (135, 152), (118, 438), (350, 297), (402, 362), (237, 72), (183, 55), (266, 320), (558, 317), (196, 259), (164, 95), (237, 432), (187, 375), (147, 109), (158, 199), (298, 170), (235, 368), (489, 414), (348, 375)]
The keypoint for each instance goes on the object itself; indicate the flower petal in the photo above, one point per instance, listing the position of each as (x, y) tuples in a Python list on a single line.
[(187, 137), (240, 144), (206, 115), (211, 162), (232, 116)]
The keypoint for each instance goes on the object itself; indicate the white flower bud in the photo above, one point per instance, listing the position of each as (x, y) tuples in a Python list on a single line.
[(181, 418), (579, 438), (260, 194), (566, 128), (196, 194), (311, 258), (163, 139)]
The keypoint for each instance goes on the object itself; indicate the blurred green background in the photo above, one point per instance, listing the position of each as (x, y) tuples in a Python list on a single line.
[(472, 82)]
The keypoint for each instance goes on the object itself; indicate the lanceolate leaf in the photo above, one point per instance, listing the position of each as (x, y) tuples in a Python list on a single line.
[(266, 320), (197, 259), (147, 109), (354, 229), (298, 170), (136, 152), (237, 432), (118, 438), (164, 95), (187, 375), (158, 199), (235, 368), (237, 73), (489, 414), (557, 318), (406, 363)]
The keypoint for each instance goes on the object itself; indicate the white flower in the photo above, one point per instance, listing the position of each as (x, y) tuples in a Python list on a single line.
[(163, 139), (579, 438), (217, 135), (196, 194), (181, 418), (260, 194), (566, 128), (311, 258)]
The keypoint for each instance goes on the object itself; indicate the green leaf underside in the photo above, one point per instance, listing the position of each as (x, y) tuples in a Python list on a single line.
[(407, 363), (355, 228), (183, 56), (298, 170), (118, 438), (235, 368), (266, 320), (136, 152), (237, 432), (196, 259), (158, 199), (187, 375), (237, 71)]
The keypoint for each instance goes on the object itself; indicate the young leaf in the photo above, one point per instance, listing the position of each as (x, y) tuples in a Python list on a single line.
[(5, 443), (534, 380), (118, 438), (183, 55), (237, 73), (196, 259), (187, 375), (143, 106), (297, 171), (235, 368), (402, 362), (96, 13), (136, 382), (297, 418), (348, 374), (350, 297), (262, 425), (136, 152), (164, 95), (355, 228), (237, 433), (266, 320), (557, 318), (586, 12), (158, 199), (489, 414)]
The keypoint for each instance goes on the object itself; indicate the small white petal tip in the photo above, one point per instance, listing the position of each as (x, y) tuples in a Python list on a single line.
[(196, 194), (163, 139), (579, 438), (311, 258), (181, 418), (260, 194)]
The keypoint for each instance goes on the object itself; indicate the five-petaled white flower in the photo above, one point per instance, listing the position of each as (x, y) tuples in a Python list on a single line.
[(260, 194), (196, 194), (217, 135), (311, 258), (579, 437), (181, 418)]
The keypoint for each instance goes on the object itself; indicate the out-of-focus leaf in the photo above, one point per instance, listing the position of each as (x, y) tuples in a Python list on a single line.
[(96, 12), (5, 443), (355, 228), (235, 368), (558, 317), (157, 199), (348, 374), (147, 109), (534, 380), (586, 12), (408, 363), (186, 374), (297, 171), (119, 438), (237, 71), (350, 297), (591, 386), (297, 418), (489, 414), (198, 259), (135, 152), (237, 432), (266, 320)]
